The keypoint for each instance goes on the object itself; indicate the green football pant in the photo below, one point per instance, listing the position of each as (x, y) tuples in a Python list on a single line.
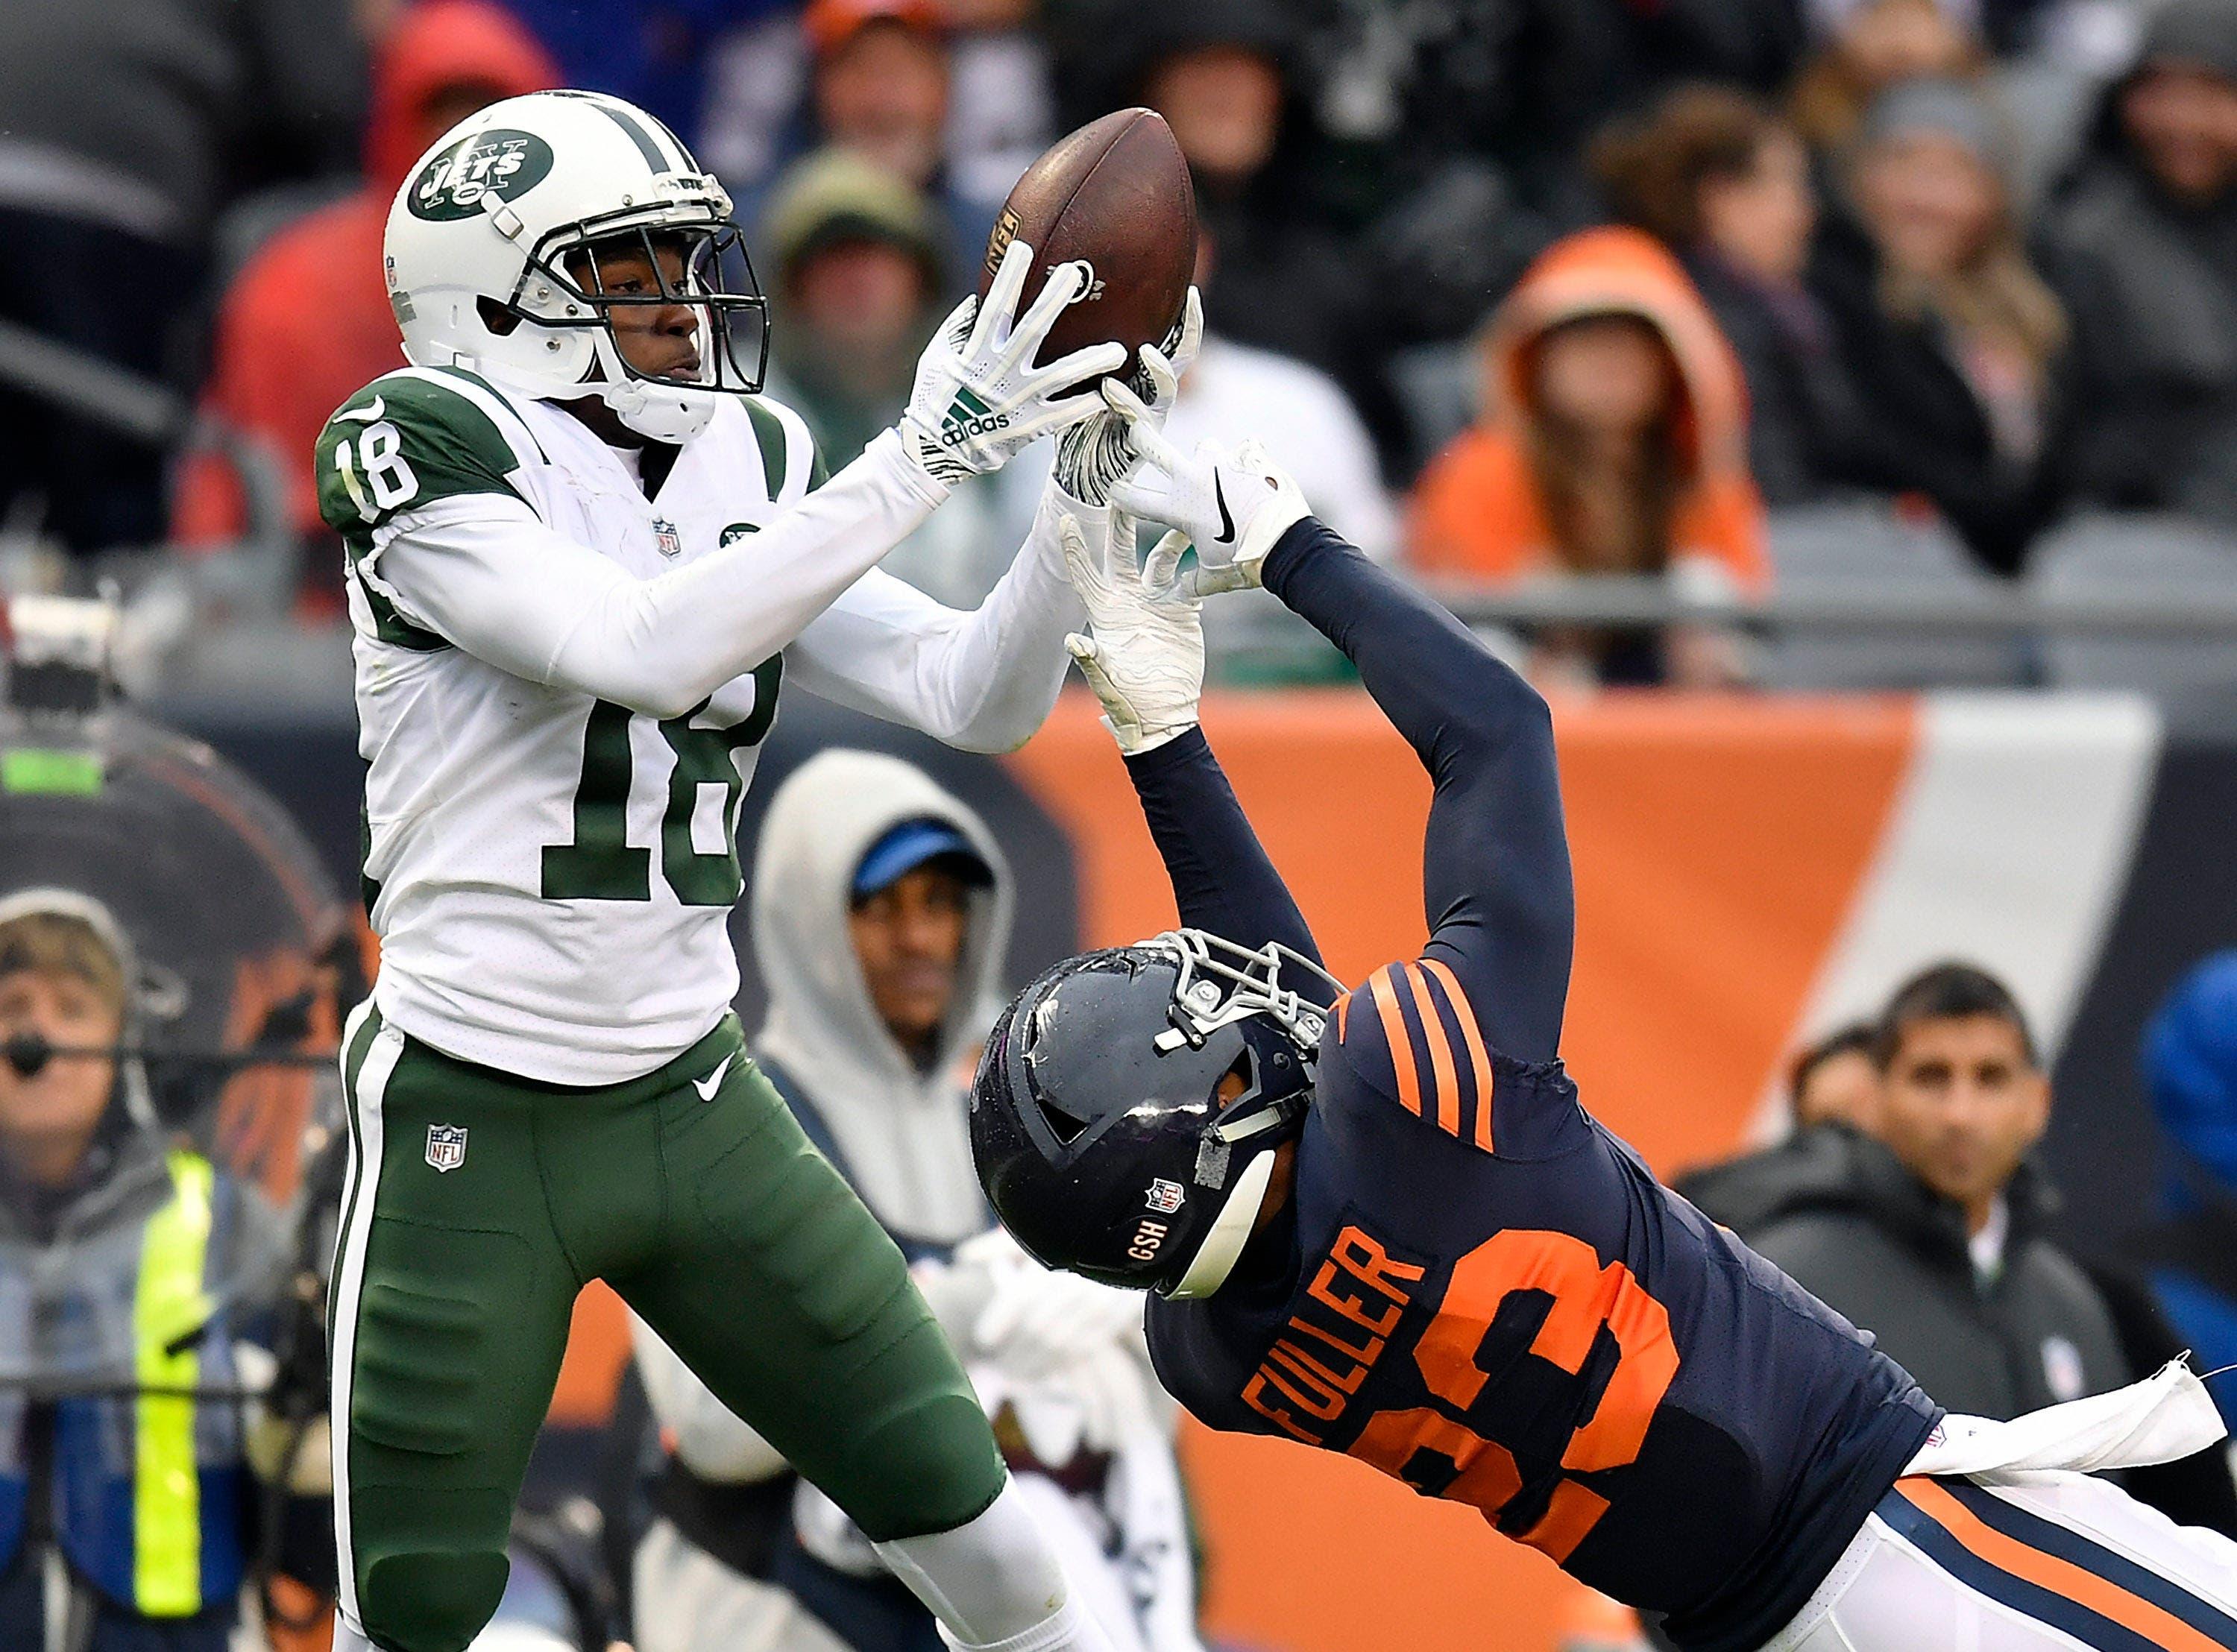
[(479, 1204)]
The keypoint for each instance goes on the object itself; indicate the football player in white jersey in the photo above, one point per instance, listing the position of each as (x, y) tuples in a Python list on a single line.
[(583, 554)]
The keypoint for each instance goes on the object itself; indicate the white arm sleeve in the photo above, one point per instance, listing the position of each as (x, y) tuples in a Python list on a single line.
[(483, 571), (983, 679), (708, 1437)]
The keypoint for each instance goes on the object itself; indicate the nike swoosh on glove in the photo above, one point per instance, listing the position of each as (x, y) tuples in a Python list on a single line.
[(979, 401), (1231, 506)]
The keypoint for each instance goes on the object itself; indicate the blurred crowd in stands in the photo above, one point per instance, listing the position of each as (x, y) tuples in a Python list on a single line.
[(1519, 287)]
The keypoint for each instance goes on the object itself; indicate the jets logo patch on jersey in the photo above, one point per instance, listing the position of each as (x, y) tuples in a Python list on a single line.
[(501, 162), (447, 1145)]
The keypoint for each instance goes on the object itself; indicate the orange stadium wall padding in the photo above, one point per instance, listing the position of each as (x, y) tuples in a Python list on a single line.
[(1718, 844), (1748, 870)]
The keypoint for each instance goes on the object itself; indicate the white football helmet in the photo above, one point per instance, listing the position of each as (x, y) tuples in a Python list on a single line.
[(494, 251)]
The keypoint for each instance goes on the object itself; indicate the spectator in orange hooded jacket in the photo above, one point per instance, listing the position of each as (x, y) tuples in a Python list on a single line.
[(1614, 441), (307, 321)]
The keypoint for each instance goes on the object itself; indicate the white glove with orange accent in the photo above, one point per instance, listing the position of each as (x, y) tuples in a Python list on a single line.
[(1231, 506), (1144, 658), (978, 400)]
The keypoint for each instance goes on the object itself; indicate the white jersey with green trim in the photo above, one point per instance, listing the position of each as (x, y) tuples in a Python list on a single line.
[(567, 658)]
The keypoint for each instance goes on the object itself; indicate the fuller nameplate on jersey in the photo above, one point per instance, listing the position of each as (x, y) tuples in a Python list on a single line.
[(447, 1145), (1341, 1326)]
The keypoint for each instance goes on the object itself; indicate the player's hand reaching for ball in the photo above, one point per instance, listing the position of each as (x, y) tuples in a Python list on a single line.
[(979, 399), (1231, 506), (1093, 454), (1144, 659)]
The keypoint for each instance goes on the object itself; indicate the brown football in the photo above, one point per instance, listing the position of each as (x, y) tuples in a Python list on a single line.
[(1117, 194)]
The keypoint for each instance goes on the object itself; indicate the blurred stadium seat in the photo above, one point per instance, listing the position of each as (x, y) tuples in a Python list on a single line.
[(1864, 549), (1436, 383), (2103, 555)]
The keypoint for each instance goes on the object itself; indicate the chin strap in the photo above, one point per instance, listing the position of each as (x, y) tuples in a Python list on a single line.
[(661, 412), (1231, 1230)]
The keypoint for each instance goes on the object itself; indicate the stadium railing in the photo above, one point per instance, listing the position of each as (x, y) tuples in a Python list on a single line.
[(2018, 610), (1860, 597)]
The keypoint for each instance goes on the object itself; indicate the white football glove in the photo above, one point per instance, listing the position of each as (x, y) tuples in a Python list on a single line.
[(1093, 454), (978, 400), (1038, 1320), (1144, 658), (1099, 1401), (1230, 506)]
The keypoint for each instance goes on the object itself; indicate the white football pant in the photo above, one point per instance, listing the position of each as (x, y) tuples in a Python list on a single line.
[(2051, 1559)]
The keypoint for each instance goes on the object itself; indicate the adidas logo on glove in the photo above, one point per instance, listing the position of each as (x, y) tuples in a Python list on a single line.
[(968, 417)]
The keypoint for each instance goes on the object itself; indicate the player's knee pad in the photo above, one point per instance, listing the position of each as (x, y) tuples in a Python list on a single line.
[(928, 1466), (430, 1600)]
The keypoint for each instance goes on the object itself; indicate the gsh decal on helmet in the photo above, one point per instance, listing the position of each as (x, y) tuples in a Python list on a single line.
[(502, 162)]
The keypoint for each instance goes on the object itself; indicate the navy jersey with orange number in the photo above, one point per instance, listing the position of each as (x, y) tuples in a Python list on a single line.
[(1477, 1288)]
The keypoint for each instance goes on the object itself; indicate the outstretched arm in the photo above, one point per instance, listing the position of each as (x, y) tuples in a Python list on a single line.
[(1223, 880), (447, 550), (1495, 867), (1495, 863), (983, 680), (482, 571), (1146, 661)]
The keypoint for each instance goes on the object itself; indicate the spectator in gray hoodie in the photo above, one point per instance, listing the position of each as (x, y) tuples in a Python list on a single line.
[(1932, 1232), (881, 907), (1934, 1238)]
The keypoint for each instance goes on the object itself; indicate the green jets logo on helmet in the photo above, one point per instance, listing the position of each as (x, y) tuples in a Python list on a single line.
[(500, 163)]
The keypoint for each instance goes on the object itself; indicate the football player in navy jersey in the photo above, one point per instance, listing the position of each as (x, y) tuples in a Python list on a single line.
[(1380, 1222)]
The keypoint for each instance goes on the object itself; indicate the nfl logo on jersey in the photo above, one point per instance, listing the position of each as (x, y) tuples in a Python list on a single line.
[(665, 536), (447, 1145)]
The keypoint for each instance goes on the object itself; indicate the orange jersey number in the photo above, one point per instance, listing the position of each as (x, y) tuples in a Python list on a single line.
[(1587, 1297)]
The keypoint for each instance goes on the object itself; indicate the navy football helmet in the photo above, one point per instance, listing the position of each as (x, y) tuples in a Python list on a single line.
[(1099, 1123)]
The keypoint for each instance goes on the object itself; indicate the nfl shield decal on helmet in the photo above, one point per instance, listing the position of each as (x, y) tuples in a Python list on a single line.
[(447, 1145), (1165, 1197)]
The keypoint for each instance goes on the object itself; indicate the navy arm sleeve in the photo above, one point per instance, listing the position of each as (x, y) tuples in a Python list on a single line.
[(1495, 866), (1223, 882)]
